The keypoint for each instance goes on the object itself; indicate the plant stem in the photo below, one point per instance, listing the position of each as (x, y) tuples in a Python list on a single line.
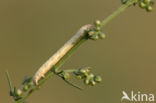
[(69, 53), (34, 87), (53, 69), (10, 83), (117, 12)]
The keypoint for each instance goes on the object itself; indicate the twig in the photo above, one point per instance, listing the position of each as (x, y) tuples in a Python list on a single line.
[(117, 12), (10, 83), (69, 82), (53, 63), (81, 34)]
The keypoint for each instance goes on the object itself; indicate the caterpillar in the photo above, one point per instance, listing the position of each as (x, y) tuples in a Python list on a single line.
[(60, 53)]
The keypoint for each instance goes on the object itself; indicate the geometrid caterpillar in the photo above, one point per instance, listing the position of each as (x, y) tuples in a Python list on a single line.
[(60, 53)]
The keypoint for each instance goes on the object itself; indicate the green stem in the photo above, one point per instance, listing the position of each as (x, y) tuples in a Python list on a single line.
[(69, 53), (10, 83), (50, 73), (34, 87), (117, 12)]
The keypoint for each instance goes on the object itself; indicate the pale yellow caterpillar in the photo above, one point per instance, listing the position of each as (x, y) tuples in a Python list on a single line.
[(60, 53)]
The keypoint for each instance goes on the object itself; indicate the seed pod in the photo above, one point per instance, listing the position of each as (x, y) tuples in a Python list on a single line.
[(97, 79), (149, 8)]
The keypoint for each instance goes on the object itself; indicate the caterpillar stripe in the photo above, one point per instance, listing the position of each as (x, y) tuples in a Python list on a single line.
[(60, 53)]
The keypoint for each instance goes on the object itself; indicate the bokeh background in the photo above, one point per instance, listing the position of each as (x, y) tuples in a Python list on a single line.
[(32, 30)]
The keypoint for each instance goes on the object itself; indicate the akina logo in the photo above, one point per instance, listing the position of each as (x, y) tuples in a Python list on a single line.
[(137, 97)]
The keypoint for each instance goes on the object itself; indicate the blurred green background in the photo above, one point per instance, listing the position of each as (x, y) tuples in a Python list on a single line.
[(32, 30)]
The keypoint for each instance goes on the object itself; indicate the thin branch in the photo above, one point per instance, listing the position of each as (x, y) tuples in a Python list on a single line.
[(59, 58), (75, 41), (52, 61), (70, 83), (10, 83), (117, 12)]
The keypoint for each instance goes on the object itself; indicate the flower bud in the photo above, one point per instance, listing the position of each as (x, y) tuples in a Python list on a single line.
[(79, 77), (97, 22), (102, 35), (93, 83), (91, 76), (142, 4), (87, 70), (83, 71), (91, 33), (98, 28), (149, 8), (147, 1), (94, 37), (66, 75), (86, 81), (26, 87), (19, 92), (97, 79)]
